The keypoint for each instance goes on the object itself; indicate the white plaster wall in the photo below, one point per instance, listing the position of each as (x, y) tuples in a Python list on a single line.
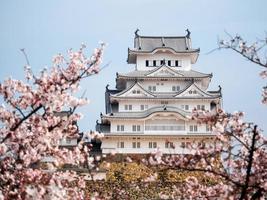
[(127, 126), (110, 145), (164, 86), (150, 104), (201, 128), (141, 61)]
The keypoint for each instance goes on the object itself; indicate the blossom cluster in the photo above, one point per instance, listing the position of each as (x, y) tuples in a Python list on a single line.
[(236, 159), (35, 117), (255, 53)]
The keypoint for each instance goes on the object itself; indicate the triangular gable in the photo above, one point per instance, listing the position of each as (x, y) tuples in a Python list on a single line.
[(193, 91), (136, 90), (164, 71)]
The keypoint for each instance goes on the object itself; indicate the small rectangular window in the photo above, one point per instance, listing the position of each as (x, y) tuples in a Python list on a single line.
[(208, 128), (138, 145), (147, 63), (169, 62), (198, 107), (154, 63), (138, 128), (202, 107), (142, 107), (120, 145), (150, 88), (169, 145), (154, 88), (186, 107), (68, 140), (161, 62), (134, 145), (154, 145), (191, 128), (177, 88), (173, 88), (122, 127), (176, 63), (130, 107), (118, 127), (134, 128), (195, 128), (150, 145)]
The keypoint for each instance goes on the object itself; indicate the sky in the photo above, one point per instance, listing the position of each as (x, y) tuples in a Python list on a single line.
[(45, 28)]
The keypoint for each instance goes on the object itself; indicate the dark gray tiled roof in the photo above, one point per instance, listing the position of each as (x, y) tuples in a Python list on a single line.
[(148, 112), (186, 74), (148, 44)]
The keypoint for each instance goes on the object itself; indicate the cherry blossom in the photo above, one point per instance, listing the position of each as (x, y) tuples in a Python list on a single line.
[(255, 53), (236, 160), (33, 124)]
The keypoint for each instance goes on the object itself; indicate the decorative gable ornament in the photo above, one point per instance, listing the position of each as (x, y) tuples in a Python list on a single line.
[(164, 71)]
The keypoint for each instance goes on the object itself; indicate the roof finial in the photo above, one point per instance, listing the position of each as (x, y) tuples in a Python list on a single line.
[(220, 88), (188, 33), (107, 87), (136, 32)]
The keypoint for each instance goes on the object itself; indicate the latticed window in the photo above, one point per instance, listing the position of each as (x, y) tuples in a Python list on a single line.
[(136, 128), (120, 145), (120, 127), (128, 107), (193, 128), (169, 145)]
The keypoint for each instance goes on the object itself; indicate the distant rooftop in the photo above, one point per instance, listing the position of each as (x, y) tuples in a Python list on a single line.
[(148, 44)]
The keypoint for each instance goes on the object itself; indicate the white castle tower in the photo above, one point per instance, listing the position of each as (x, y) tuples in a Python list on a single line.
[(151, 106)]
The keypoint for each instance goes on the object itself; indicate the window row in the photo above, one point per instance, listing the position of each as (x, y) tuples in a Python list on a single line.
[(175, 88), (137, 128), (170, 63), (184, 107), (137, 145), (154, 145), (130, 107), (199, 107)]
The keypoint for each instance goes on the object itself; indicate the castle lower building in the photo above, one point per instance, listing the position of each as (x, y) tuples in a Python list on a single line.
[(151, 106)]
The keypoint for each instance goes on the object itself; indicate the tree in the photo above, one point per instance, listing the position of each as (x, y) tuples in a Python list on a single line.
[(31, 129), (255, 53), (237, 160), (238, 157)]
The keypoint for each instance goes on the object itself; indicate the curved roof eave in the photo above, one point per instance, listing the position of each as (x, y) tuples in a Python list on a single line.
[(164, 48), (129, 88), (149, 113)]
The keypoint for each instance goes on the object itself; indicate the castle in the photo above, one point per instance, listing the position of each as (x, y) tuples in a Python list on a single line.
[(151, 106)]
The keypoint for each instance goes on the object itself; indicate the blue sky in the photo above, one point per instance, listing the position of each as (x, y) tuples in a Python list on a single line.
[(45, 28)]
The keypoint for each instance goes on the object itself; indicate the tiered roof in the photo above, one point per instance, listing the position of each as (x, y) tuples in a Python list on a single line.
[(182, 94), (173, 73), (151, 44), (144, 114)]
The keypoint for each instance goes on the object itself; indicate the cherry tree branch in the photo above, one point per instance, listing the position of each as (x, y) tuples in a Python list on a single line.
[(250, 161)]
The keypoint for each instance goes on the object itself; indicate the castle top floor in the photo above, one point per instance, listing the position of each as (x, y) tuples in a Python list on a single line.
[(150, 52)]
